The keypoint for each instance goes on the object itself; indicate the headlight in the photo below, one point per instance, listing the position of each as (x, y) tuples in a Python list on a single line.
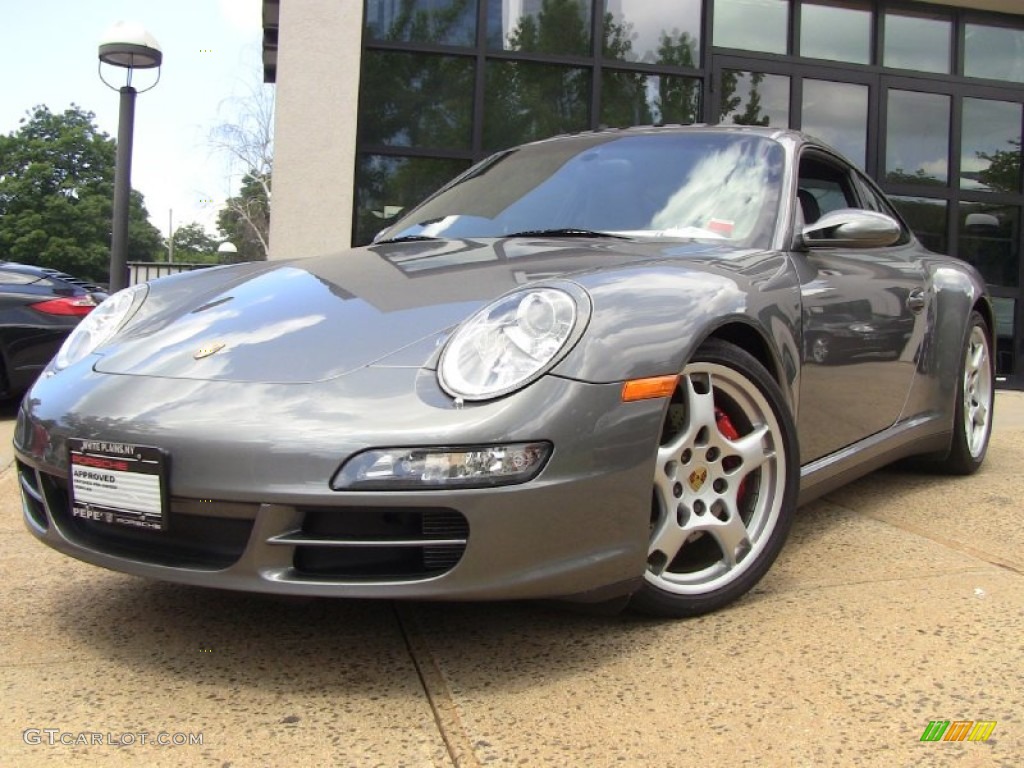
[(508, 344), (473, 466), (100, 324)]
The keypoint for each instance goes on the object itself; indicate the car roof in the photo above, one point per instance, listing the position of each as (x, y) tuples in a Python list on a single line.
[(793, 140), (46, 272), (640, 130)]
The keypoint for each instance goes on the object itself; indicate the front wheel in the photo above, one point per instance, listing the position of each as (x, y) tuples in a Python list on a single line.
[(725, 485)]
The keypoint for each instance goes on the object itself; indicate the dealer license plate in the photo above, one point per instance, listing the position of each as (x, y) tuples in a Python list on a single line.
[(118, 483)]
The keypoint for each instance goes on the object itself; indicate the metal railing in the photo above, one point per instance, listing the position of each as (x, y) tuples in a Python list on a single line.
[(141, 271)]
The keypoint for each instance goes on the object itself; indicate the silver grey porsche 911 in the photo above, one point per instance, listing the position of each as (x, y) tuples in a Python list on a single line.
[(599, 367)]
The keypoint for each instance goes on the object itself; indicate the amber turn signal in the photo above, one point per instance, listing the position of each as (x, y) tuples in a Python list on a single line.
[(648, 389)]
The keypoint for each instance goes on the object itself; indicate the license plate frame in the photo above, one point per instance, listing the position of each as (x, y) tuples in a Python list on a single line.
[(118, 483)]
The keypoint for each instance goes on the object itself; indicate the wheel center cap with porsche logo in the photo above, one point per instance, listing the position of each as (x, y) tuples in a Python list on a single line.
[(697, 478), (208, 349)]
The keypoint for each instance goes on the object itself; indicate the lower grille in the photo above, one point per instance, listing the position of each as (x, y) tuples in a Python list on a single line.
[(188, 541), (376, 543), (333, 543)]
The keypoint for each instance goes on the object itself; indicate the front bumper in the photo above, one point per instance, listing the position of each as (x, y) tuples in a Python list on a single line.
[(251, 507)]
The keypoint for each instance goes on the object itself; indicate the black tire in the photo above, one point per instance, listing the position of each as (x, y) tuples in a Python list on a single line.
[(722, 507), (975, 401)]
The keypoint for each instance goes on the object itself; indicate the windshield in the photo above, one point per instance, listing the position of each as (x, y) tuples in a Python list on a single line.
[(698, 185)]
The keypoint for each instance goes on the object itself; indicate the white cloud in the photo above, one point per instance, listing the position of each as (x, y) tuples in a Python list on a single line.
[(244, 15)]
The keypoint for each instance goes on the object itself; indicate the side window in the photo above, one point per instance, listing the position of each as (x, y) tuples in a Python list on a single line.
[(823, 187)]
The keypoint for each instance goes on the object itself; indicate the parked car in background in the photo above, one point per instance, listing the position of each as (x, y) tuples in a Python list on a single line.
[(837, 337), (39, 307)]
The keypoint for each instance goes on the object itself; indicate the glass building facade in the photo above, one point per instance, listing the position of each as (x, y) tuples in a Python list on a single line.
[(928, 99)]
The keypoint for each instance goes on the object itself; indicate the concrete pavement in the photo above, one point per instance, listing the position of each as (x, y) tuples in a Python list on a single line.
[(898, 600)]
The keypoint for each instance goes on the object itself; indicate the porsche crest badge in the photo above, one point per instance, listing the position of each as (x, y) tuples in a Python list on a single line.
[(208, 349), (697, 478)]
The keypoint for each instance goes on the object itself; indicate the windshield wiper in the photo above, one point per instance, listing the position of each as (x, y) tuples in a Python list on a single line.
[(565, 232), (407, 239)]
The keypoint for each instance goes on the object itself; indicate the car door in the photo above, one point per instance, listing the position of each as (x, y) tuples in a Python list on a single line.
[(863, 316)]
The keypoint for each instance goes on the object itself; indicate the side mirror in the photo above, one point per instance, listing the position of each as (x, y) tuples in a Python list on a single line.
[(852, 228)]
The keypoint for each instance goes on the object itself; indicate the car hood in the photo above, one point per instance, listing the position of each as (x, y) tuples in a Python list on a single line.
[(313, 319)]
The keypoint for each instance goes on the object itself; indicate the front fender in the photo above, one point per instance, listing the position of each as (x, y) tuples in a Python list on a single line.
[(649, 320)]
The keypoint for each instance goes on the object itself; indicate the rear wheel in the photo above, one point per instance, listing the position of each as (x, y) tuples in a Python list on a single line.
[(725, 485), (975, 398)]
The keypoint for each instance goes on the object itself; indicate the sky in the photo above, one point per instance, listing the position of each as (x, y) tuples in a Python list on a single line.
[(212, 60)]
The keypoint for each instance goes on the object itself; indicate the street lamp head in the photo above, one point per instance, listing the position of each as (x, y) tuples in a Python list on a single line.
[(127, 44), (227, 253)]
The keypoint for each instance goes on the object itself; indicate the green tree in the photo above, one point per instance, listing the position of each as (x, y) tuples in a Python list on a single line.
[(192, 245), (247, 141), (245, 218), (56, 196)]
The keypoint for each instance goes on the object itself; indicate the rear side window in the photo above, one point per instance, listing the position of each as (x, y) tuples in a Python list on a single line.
[(824, 187), (9, 277)]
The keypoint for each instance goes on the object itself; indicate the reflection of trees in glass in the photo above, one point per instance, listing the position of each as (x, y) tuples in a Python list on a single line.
[(926, 219), (1003, 171), (624, 99), (751, 114), (453, 23), (988, 240), (618, 39), (631, 98), (417, 100), (561, 26), (426, 99), (919, 176), (677, 49), (678, 97), (525, 101), (386, 186)]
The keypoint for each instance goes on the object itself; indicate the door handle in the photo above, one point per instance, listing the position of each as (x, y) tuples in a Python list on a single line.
[(916, 300)]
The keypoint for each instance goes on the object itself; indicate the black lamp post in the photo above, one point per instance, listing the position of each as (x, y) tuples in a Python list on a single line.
[(130, 47)]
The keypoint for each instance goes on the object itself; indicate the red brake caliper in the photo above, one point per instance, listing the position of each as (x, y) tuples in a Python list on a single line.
[(729, 432)]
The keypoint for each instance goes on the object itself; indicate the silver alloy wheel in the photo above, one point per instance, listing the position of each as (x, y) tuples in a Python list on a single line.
[(978, 392), (716, 500)]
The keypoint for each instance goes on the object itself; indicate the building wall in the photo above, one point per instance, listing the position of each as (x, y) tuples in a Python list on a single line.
[(458, 79), (318, 46), (318, 56)]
